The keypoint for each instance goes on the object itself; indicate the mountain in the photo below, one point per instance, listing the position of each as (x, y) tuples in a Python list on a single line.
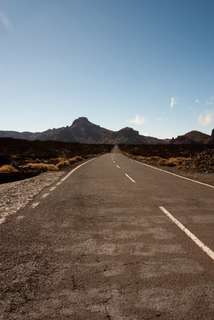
[(84, 131), (194, 137)]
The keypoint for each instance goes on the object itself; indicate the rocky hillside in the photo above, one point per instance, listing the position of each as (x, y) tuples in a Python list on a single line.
[(194, 137), (84, 131)]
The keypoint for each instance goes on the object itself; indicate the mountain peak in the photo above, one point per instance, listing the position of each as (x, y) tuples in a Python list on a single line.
[(84, 131), (80, 120)]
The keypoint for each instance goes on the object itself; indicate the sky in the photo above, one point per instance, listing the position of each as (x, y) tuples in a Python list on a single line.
[(144, 64)]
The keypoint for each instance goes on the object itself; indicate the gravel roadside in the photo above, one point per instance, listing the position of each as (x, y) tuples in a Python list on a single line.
[(15, 195)]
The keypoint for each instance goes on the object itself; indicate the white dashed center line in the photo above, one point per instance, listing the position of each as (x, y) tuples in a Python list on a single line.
[(45, 195), (35, 204), (130, 178), (189, 234), (117, 166), (53, 188)]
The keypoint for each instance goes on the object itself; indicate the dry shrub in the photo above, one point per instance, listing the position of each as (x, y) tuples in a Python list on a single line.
[(42, 167), (78, 158), (7, 168), (181, 160), (162, 162), (63, 163), (166, 162), (90, 156), (172, 162), (66, 162), (72, 160), (140, 158)]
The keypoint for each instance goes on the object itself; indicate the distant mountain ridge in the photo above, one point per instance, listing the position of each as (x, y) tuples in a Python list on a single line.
[(83, 131), (194, 137)]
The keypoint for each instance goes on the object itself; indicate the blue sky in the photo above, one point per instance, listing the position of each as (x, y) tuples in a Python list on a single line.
[(145, 64)]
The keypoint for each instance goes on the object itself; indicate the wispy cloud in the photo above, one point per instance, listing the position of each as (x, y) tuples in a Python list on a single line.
[(138, 120), (197, 101), (210, 101), (174, 101), (205, 120), (161, 119), (5, 21)]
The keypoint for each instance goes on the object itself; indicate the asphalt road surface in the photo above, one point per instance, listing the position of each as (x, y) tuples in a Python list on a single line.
[(113, 239)]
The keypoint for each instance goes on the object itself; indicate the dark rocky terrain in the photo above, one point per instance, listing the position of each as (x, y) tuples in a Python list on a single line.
[(20, 153), (185, 157), (29, 158)]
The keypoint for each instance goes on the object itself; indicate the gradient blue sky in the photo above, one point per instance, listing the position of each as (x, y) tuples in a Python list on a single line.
[(145, 64)]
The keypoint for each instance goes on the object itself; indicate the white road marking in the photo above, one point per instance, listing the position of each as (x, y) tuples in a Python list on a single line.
[(189, 234), (53, 188), (34, 204), (45, 195), (117, 166), (113, 161), (63, 179), (174, 174), (130, 178), (58, 183)]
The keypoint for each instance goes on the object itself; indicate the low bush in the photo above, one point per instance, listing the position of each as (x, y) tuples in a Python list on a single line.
[(7, 168), (172, 162), (75, 159), (72, 160), (42, 167), (63, 163)]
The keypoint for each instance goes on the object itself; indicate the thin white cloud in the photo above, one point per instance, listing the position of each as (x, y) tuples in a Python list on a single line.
[(205, 120), (210, 101), (138, 120), (5, 21), (161, 119), (197, 101), (174, 101)]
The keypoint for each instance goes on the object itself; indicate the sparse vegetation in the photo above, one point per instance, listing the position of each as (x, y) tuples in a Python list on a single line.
[(32, 157), (42, 167), (7, 168), (172, 162), (189, 157), (63, 163)]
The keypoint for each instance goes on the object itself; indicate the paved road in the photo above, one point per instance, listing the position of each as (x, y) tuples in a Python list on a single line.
[(103, 243)]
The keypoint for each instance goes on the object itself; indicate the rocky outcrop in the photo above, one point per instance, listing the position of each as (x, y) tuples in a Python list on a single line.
[(192, 137), (182, 140), (202, 162)]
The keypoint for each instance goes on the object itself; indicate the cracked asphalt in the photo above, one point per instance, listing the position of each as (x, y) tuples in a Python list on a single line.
[(97, 246)]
